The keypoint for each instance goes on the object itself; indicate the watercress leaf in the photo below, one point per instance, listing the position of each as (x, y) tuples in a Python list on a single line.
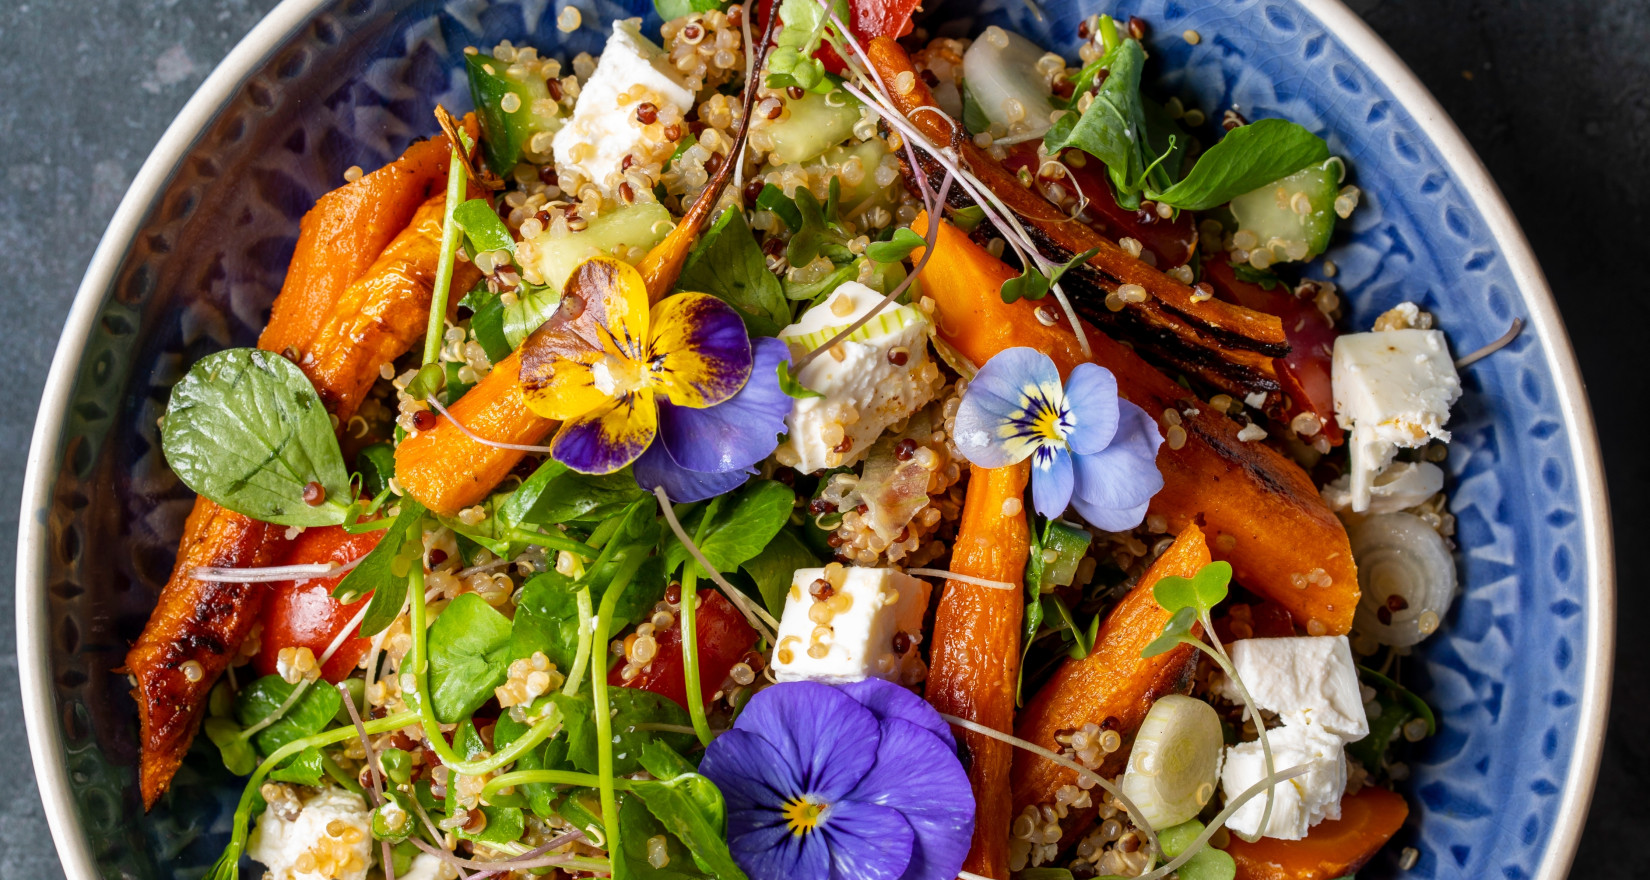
[(1405, 695), (817, 236), (487, 322), (376, 465), (304, 768), (772, 198), (630, 707), (1208, 864), (1247, 158), (582, 808), (1265, 279), (533, 306), (541, 797), (246, 429), (973, 117), (1067, 266), (968, 218), (1033, 621), (469, 647), (729, 265), (1030, 284), (547, 619), (772, 568), (237, 754), (384, 571), (485, 230), (310, 714), (1200, 592), (554, 494), (1177, 630), (690, 807), (818, 290), (673, 9), (895, 249), (504, 824), (1082, 639), (578, 733), (491, 531), (741, 528), (1113, 129)]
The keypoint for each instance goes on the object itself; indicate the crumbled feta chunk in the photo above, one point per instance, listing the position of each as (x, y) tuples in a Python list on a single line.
[(868, 624), (427, 867), (1400, 486), (331, 839), (1298, 803), (1305, 680), (605, 128), (1392, 388), (880, 375)]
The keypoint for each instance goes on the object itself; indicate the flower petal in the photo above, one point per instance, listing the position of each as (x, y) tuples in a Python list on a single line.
[(1091, 398), (767, 850), (750, 773), (919, 775), (699, 354), (867, 841), (738, 432), (603, 315), (827, 737), (888, 700), (996, 420), (657, 467), (1051, 480), (608, 437), (1114, 486)]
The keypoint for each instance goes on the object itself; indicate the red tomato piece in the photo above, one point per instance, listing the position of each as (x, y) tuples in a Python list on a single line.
[(1171, 241), (1304, 373), (724, 638), (303, 614)]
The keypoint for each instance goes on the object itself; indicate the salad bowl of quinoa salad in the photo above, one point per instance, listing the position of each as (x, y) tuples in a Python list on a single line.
[(809, 439)]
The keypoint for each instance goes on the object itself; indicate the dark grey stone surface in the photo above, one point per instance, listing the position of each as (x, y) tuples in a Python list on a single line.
[(1554, 96)]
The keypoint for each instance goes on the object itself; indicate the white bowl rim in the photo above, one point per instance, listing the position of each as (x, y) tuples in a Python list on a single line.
[(33, 646)]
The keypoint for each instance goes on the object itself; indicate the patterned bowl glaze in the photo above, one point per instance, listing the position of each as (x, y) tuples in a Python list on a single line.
[(198, 248)]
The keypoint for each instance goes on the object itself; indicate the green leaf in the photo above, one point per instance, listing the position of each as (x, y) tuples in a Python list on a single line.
[(504, 824), (897, 248), (237, 754), (555, 494), (772, 569), (792, 386), (741, 529), (1044, 874), (772, 198), (1176, 631), (630, 707), (1201, 592), (533, 306), (817, 236), (384, 572), (1264, 279), (547, 619), (690, 807), (1248, 157), (304, 768), (816, 291), (246, 429), (1208, 864), (729, 265), (376, 465), (469, 654), (1034, 285), (311, 714), (1113, 129), (669, 9), (968, 218), (541, 796), (582, 809), (481, 223), (1083, 639), (973, 118), (487, 322)]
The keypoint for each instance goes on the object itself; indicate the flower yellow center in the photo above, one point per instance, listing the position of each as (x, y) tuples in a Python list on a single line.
[(801, 815), (615, 375)]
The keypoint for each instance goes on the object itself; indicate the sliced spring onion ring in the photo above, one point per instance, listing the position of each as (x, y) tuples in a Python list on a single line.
[(1407, 576), (1175, 762)]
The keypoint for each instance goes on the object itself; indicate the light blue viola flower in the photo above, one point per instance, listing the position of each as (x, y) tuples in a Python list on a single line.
[(1089, 448)]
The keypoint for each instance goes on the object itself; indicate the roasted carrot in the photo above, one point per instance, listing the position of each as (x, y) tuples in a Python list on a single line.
[(346, 230), (1219, 342), (382, 313), (1112, 687), (197, 627), (975, 657), (1243, 494), (1333, 848)]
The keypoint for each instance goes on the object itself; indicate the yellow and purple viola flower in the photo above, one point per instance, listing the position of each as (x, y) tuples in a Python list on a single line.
[(620, 374), (827, 783), (1089, 448)]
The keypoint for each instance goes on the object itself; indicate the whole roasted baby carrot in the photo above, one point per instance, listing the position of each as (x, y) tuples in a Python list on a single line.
[(974, 661), (1260, 510), (1112, 687), (1333, 848)]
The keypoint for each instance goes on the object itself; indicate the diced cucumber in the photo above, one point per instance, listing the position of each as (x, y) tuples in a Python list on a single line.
[(815, 124), (554, 256), (1069, 544), (870, 155), (1294, 216), (1001, 71), (508, 133)]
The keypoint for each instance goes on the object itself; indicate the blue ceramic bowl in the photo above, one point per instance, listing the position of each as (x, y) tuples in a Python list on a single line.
[(198, 248)]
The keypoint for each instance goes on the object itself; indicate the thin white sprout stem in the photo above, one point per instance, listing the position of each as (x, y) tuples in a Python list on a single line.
[(496, 444), (532, 859), (750, 62), (485, 566), (1135, 815), (1250, 710), (965, 578), (374, 774), (270, 573), (303, 686), (1232, 806), (759, 618), (1504, 341)]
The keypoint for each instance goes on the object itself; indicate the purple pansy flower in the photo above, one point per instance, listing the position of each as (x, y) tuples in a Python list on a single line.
[(827, 783), (705, 452), (1089, 448)]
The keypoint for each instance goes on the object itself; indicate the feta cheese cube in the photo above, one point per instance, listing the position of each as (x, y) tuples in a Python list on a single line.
[(1298, 803), (604, 127), (1305, 680), (1392, 388), (878, 376), (849, 633), (344, 855)]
